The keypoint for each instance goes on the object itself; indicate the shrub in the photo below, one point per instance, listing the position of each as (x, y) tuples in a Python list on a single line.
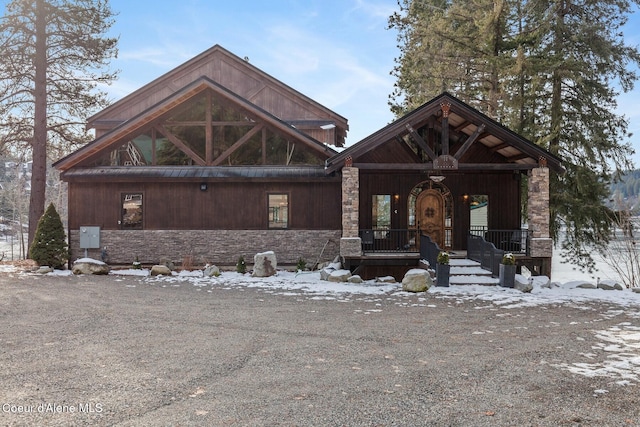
[(443, 257), (302, 264), (508, 259), (241, 266), (49, 246)]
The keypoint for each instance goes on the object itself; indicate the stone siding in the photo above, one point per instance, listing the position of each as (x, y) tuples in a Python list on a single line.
[(350, 247), (221, 247), (541, 244), (538, 202), (350, 201)]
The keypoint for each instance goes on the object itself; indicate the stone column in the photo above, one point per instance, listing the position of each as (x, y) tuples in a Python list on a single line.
[(541, 245), (350, 243)]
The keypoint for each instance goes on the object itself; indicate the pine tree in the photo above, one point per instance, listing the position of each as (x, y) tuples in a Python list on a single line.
[(548, 70), (52, 55), (49, 244)]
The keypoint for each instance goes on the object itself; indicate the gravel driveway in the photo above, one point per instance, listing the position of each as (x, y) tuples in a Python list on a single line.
[(90, 350)]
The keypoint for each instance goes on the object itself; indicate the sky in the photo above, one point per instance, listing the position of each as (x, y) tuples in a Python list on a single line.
[(337, 52)]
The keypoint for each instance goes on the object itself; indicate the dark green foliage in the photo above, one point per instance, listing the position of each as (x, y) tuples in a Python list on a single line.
[(50, 244), (302, 264), (241, 266), (549, 70)]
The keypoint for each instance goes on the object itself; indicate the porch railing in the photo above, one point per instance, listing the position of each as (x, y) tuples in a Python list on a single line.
[(388, 240), (514, 241), (489, 257)]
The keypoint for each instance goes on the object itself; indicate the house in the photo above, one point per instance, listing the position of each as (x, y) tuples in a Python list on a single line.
[(216, 159)]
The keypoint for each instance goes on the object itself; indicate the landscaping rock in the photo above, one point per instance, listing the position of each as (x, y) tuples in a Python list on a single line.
[(523, 284), (586, 285), (160, 270), (339, 276), (89, 266), (635, 290), (211, 271), (326, 272), (355, 279), (264, 264), (44, 269), (416, 280), (386, 279), (610, 285)]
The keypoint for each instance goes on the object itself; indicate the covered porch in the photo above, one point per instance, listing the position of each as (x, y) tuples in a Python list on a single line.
[(448, 172)]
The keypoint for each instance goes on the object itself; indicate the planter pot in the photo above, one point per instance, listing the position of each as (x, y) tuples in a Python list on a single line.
[(442, 274), (507, 275)]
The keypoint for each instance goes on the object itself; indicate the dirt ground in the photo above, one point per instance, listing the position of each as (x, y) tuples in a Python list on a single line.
[(91, 350)]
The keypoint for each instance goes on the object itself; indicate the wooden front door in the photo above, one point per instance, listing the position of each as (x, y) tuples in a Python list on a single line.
[(430, 208)]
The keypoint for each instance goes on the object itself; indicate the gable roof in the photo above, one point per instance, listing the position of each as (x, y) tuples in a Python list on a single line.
[(466, 126), (131, 127), (235, 74)]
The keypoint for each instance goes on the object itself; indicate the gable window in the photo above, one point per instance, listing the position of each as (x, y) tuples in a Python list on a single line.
[(278, 210), (131, 211)]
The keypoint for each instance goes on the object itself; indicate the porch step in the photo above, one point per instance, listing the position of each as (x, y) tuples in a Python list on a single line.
[(467, 272)]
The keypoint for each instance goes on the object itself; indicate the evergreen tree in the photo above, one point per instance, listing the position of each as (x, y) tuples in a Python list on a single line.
[(547, 70), (49, 244), (52, 55)]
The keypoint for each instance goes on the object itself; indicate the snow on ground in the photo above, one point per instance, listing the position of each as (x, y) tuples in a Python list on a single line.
[(615, 351)]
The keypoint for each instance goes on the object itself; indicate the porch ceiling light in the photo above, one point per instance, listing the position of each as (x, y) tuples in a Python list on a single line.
[(436, 178)]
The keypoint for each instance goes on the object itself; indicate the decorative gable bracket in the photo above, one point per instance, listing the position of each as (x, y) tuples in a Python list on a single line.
[(446, 162)]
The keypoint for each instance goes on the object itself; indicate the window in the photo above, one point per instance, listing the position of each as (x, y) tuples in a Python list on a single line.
[(131, 211), (278, 210), (381, 215)]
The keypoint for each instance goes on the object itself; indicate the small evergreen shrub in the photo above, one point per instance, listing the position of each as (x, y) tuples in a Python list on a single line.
[(443, 258), (302, 264), (49, 246), (241, 266), (136, 264), (508, 259)]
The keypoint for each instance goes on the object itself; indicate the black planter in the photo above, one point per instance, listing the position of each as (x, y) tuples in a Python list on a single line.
[(507, 275), (442, 274)]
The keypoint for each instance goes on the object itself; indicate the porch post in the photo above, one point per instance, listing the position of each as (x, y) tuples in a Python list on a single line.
[(539, 217), (350, 243)]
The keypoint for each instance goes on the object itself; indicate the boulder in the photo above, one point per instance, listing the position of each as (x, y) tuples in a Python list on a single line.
[(386, 279), (44, 269), (355, 279), (586, 285), (210, 271), (339, 276), (264, 264), (610, 285), (326, 272), (416, 280), (523, 284), (635, 290), (160, 270), (89, 266)]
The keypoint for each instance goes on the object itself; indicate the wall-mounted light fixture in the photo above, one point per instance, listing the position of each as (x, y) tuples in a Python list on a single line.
[(465, 198), (203, 186)]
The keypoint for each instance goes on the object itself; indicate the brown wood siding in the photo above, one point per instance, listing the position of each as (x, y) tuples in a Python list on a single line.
[(183, 206), (503, 189)]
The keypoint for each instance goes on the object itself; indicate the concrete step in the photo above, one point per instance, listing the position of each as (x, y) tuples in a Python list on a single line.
[(467, 272)]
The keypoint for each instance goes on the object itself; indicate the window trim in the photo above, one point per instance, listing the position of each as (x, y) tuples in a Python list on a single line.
[(288, 211), (123, 198)]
